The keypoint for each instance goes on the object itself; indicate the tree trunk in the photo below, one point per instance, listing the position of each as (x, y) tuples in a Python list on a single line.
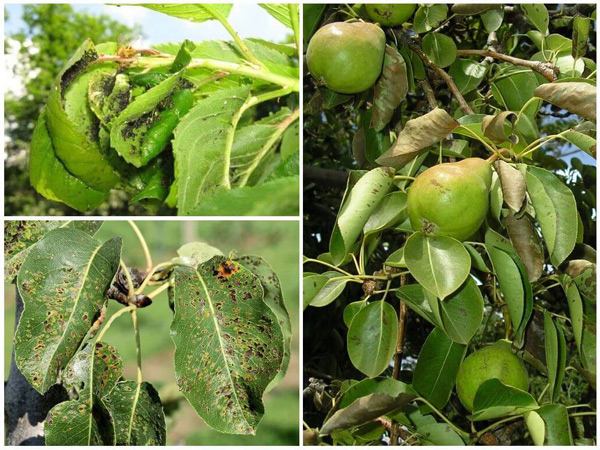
[(25, 409)]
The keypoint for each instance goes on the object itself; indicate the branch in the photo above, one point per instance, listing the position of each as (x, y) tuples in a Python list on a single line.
[(333, 178), (429, 94), (546, 69), (439, 72)]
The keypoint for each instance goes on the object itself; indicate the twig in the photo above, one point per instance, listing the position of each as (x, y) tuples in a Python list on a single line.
[(402, 311), (429, 94), (439, 72), (334, 178), (546, 69), (144, 245)]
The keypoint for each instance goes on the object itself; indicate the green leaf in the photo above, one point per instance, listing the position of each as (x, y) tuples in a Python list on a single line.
[(396, 259), (330, 290), (228, 345), (575, 96), (477, 261), (555, 347), (351, 310), (581, 31), (290, 142), (137, 414), (391, 88), (372, 338), (492, 19), (195, 253), (360, 201), (192, 12), (390, 212), (537, 14), (558, 428), (107, 370), (494, 399), (437, 366), (555, 210), (428, 17), (21, 235), (62, 283), (467, 74), (575, 309), (274, 300), (79, 422), (428, 259), (311, 16), (581, 140), (439, 434), (440, 49), (202, 147), (278, 197), (278, 10), (515, 87), (129, 128), (50, 178), (416, 136), (512, 278)]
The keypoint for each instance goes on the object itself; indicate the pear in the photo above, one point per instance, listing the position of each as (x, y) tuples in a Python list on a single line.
[(451, 199)]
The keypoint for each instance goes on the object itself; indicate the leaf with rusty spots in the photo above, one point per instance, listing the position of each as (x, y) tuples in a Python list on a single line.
[(391, 88), (21, 235), (142, 425), (274, 300), (62, 282), (418, 134), (106, 372), (526, 241), (228, 345), (514, 189), (79, 422)]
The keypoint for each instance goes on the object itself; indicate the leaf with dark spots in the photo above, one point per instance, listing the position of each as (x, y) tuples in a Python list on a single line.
[(62, 281), (527, 243), (137, 414), (21, 235), (417, 135), (226, 353), (391, 88)]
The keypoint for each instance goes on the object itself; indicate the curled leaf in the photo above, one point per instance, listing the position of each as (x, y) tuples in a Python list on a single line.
[(391, 88), (576, 97)]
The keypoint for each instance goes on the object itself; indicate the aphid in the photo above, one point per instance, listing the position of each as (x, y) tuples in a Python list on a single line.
[(227, 269)]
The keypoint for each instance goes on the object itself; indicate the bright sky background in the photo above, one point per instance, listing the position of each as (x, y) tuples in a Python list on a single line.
[(248, 20)]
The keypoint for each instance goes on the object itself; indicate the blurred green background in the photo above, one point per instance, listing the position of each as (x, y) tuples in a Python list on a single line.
[(277, 242)]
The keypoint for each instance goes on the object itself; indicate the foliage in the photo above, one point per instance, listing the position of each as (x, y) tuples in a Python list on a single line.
[(150, 123), (392, 311), (229, 315)]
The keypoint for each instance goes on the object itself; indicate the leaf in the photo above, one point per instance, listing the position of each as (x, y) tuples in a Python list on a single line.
[(515, 87), (514, 188), (193, 12), (526, 241), (576, 97), (537, 14), (274, 300), (107, 370), (439, 434), (492, 19), (311, 16), (428, 17), (581, 140), (536, 426), (278, 197), (390, 90), (329, 291), (129, 128), (512, 278), (79, 422), (370, 400), (228, 347), (467, 74), (290, 142), (437, 366), (472, 9), (555, 210), (62, 283), (396, 259), (428, 259), (372, 338), (390, 212), (360, 201), (137, 414), (202, 147), (581, 31), (494, 127), (494, 399), (477, 261), (440, 49), (21, 235), (156, 179), (195, 253), (558, 428), (417, 135), (278, 10), (50, 178), (555, 346), (351, 310), (575, 309)]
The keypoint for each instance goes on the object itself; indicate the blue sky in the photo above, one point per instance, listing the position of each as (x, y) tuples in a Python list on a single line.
[(249, 20)]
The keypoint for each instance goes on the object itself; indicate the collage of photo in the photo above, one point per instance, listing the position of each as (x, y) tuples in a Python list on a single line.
[(299, 224)]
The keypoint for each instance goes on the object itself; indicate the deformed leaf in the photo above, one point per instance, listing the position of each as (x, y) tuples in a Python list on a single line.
[(526, 241), (575, 96), (495, 129), (417, 135), (228, 344), (391, 88), (514, 189), (494, 399), (62, 282), (137, 414)]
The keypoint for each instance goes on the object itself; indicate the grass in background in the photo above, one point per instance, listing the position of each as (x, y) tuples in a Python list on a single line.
[(276, 241)]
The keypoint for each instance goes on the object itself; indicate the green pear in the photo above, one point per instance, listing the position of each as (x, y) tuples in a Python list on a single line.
[(451, 199), (390, 14)]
